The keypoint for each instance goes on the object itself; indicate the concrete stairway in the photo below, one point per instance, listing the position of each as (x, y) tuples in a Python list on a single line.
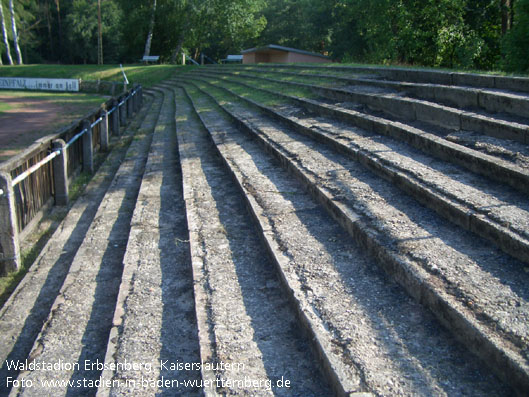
[(291, 231)]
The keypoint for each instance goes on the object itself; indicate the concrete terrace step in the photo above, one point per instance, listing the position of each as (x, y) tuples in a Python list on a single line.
[(79, 320), (238, 297), (495, 168), (428, 76), (250, 237), (332, 281), (401, 106), (421, 252), (25, 312), (154, 319), (488, 99), (466, 199)]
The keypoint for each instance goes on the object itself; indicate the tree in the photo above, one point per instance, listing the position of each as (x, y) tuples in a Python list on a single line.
[(58, 4), (135, 28), (366, 30), (448, 33), (99, 35), (181, 20), (148, 42), (303, 24), (506, 15), (4, 33), (515, 41), (15, 35), (225, 27), (81, 31), (212, 26)]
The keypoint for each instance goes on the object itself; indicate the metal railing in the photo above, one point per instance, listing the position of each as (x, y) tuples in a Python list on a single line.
[(31, 181)]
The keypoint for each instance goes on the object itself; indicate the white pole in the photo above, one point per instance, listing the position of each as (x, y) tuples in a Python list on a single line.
[(124, 75)]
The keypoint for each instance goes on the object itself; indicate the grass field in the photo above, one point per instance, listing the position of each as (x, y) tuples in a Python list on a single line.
[(141, 74), (26, 116)]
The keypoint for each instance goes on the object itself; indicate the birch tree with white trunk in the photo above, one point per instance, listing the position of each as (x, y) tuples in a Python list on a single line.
[(4, 32), (15, 34), (147, 51)]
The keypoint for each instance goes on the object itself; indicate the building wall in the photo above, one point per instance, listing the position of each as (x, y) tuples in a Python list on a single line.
[(273, 56), (294, 57), (262, 57), (278, 57), (248, 58)]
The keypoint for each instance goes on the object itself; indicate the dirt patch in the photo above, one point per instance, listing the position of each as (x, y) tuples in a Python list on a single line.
[(27, 118)]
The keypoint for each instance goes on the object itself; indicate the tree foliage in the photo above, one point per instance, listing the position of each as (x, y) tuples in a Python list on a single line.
[(482, 34), (298, 23), (80, 31)]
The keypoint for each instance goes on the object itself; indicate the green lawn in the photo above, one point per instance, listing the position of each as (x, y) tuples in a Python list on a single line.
[(4, 107), (148, 75), (58, 97), (141, 74)]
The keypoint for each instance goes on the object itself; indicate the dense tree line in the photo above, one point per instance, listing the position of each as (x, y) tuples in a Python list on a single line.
[(479, 34)]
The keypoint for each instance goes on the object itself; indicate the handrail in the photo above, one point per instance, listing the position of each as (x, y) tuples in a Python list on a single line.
[(34, 168), (56, 152), (17, 215), (96, 122)]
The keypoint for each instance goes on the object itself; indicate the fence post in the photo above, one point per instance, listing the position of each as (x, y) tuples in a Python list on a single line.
[(60, 173), (9, 244), (130, 108), (115, 117), (104, 129), (135, 99), (122, 114), (88, 149)]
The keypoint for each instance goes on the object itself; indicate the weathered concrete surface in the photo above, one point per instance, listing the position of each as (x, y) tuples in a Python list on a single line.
[(340, 209), (454, 315), (250, 320), (494, 167), (154, 320), (498, 214), (262, 190)]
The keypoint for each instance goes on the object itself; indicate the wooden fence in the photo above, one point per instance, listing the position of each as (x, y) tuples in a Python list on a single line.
[(33, 181)]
